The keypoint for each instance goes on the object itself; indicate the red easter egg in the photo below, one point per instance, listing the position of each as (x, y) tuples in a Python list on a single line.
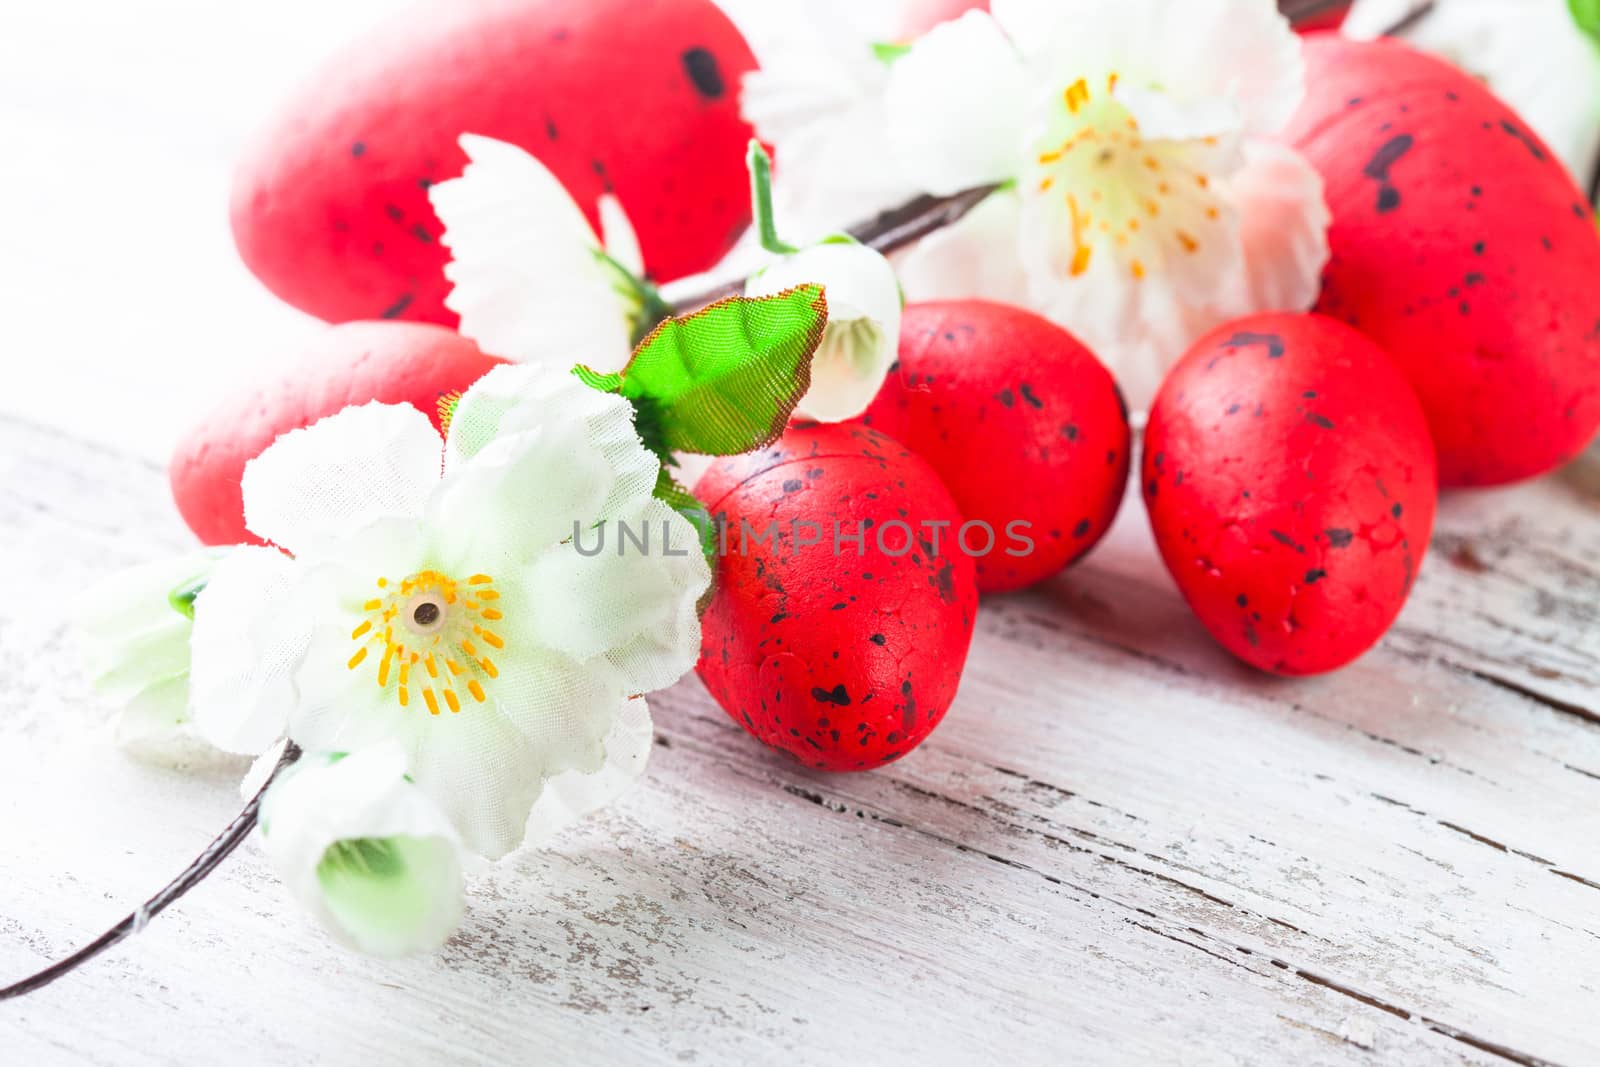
[(920, 16), (1021, 422), (1330, 17), (845, 653), (1291, 487), (393, 362), (330, 206), (1461, 245)]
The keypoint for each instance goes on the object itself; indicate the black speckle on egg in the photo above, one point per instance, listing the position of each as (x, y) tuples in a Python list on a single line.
[(704, 73)]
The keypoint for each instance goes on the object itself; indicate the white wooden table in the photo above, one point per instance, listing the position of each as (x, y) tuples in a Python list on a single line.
[(1119, 846)]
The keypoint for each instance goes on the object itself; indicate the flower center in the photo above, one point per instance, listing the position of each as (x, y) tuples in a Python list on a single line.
[(435, 632), (1108, 190)]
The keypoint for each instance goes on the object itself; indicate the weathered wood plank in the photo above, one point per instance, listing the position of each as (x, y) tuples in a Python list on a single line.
[(1119, 845)]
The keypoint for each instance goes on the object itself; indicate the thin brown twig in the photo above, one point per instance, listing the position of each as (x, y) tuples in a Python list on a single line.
[(218, 850)]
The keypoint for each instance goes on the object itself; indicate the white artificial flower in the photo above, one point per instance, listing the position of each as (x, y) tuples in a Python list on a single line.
[(459, 615), (817, 98), (532, 281), (1531, 53), (1131, 138), (863, 333), (365, 850), (136, 641)]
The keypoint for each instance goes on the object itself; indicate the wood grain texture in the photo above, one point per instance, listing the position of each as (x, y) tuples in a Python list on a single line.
[(1120, 845)]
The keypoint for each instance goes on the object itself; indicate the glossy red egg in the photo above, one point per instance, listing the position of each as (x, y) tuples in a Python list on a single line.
[(846, 652), (1021, 422), (1291, 486), (330, 205), (393, 362), (1462, 246)]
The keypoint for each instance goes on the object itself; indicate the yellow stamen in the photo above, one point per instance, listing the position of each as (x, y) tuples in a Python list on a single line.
[(1077, 95), (1081, 250), (451, 699), (476, 690), (433, 703), (355, 660)]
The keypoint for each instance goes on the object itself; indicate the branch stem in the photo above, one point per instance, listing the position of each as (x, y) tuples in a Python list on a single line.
[(885, 232), (213, 854)]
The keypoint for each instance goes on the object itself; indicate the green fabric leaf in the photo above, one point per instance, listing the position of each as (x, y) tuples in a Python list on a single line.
[(725, 379), (1586, 13), (679, 499), (182, 597), (446, 406), (888, 51), (606, 383)]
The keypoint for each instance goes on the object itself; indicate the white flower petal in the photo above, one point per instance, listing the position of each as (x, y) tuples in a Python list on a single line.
[(571, 795), (528, 283), (487, 766), (863, 332), (366, 851), (339, 705), (1163, 117), (955, 105), (539, 456), (1137, 331), (315, 486), (818, 101), (157, 651), (1031, 25), (629, 589), (135, 598), (1284, 221), (154, 723), (248, 640), (1240, 51), (977, 258)]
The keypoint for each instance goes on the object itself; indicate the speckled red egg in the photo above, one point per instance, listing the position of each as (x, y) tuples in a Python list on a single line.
[(1291, 487), (393, 362), (330, 205), (1462, 246), (1021, 422), (847, 652)]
